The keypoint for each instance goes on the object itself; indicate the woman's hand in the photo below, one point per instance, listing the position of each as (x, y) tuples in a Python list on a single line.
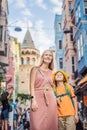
[(34, 105)]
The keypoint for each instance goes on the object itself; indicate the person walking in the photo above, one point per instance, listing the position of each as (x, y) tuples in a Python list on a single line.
[(66, 102), (16, 114), (43, 109), (5, 107)]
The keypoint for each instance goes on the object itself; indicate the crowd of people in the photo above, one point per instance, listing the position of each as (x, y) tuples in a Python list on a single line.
[(13, 117)]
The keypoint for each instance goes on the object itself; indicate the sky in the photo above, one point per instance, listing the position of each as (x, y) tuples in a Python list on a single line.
[(38, 16)]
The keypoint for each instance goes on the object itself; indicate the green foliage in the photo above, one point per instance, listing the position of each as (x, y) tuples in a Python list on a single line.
[(23, 96)]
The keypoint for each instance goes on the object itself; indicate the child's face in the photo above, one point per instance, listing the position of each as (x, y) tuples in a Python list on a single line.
[(59, 77)]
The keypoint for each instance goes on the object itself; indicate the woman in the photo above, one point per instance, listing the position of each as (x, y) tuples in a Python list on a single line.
[(43, 112), (66, 100), (5, 110)]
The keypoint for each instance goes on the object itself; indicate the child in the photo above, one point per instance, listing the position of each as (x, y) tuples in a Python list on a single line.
[(66, 102)]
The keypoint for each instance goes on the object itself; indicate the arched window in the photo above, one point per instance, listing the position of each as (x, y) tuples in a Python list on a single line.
[(22, 61), (22, 52), (33, 52), (27, 52), (28, 60), (33, 61)]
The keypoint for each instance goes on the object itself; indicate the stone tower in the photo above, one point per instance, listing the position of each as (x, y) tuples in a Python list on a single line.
[(29, 58)]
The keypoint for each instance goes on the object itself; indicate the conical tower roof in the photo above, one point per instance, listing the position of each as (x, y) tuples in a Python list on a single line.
[(28, 42)]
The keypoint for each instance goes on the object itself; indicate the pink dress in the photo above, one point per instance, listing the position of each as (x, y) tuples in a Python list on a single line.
[(45, 118)]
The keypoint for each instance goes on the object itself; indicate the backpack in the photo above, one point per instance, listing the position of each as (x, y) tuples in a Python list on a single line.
[(67, 93)]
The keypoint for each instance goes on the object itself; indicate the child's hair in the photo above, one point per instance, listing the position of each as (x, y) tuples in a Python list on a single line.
[(65, 80)]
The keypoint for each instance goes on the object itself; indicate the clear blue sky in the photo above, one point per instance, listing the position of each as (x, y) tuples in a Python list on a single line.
[(39, 15)]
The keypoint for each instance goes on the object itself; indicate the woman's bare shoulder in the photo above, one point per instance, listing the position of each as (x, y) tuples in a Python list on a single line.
[(34, 69)]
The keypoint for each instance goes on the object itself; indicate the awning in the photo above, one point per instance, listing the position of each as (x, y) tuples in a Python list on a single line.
[(82, 81)]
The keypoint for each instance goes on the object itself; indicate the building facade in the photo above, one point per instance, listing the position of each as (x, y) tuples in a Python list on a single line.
[(12, 75), (59, 46), (70, 51), (29, 58), (3, 40), (80, 12)]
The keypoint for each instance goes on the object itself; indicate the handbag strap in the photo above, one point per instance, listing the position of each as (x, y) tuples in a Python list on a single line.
[(45, 77)]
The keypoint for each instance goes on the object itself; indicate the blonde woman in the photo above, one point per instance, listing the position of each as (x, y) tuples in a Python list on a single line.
[(43, 112), (66, 100)]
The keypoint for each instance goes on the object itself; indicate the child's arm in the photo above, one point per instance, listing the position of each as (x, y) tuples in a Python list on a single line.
[(76, 109)]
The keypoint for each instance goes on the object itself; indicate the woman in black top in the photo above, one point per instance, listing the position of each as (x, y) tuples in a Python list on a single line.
[(4, 115)]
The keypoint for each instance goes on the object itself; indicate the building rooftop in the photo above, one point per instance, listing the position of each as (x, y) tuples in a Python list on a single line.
[(28, 42)]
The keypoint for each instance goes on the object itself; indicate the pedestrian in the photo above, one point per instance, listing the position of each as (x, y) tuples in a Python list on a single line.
[(5, 110), (43, 110), (28, 118), (66, 102), (16, 113)]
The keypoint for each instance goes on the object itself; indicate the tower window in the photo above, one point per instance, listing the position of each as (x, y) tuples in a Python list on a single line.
[(22, 61)]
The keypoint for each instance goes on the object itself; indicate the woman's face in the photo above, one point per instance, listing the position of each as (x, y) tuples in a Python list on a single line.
[(47, 57), (59, 77)]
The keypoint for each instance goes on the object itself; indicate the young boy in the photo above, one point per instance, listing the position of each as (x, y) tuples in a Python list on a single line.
[(67, 111)]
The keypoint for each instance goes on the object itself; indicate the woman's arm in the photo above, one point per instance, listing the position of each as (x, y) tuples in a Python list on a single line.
[(32, 82), (34, 105), (10, 93)]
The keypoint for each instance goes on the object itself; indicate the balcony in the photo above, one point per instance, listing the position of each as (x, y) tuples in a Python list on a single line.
[(4, 60), (2, 14)]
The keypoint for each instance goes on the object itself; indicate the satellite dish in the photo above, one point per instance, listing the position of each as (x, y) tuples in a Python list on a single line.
[(18, 29)]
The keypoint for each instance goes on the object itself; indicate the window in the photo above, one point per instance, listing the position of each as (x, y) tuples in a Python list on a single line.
[(79, 55), (5, 49), (70, 7), (27, 52), (0, 5), (1, 31), (59, 27), (33, 61), (73, 64), (78, 13), (85, 6), (71, 34), (60, 44), (80, 48), (76, 17), (22, 52), (81, 43), (28, 60), (61, 63), (86, 37), (22, 61)]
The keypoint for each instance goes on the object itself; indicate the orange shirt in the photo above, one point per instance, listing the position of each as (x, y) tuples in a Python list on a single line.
[(65, 106)]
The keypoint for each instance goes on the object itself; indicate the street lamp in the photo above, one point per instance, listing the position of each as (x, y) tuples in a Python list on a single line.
[(18, 29)]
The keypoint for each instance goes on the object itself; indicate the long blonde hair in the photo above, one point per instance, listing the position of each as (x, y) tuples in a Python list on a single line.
[(51, 65)]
